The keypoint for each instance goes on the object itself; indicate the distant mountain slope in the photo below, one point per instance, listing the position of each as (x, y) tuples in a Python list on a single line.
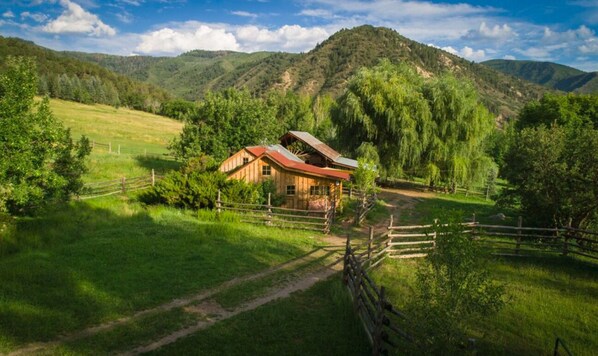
[(189, 75), (69, 78), (324, 70), (551, 75)]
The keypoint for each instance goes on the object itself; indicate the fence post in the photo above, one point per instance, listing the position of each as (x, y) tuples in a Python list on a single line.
[(118, 149), (109, 147), (434, 234), (566, 238), (218, 203), (377, 337), (153, 177), (358, 273), (93, 144), (123, 184), (473, 226), (370, 240), (346, 260), (391, 221), (519, 224), (269, 221), (350, 192)]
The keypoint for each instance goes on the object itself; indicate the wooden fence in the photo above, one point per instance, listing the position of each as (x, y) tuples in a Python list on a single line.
[(365, 202), (118, 186), (418, 240), (384, 325), (266, 214), (116, 149)]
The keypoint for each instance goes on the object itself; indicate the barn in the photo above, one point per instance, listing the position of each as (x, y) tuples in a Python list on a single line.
[(304, 185)]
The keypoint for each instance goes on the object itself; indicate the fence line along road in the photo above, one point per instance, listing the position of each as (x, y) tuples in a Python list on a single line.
[(118, 186), (116, 149), (266, 214)]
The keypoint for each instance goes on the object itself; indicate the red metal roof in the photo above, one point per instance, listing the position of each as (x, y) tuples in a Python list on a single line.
[(296, 166)]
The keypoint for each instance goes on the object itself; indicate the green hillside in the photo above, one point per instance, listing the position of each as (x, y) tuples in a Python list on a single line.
[(323, 70), (64, 77), (142, 138), (551, 75), (191, 74)]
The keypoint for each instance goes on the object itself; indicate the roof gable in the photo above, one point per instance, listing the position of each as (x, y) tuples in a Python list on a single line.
[(314, 143)]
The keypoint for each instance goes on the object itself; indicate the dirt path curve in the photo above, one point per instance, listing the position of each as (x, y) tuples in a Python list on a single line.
[(175, 303), (218, 314)]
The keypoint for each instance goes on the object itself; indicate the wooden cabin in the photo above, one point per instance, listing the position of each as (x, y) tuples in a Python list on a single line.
[(315, 152), (304, 185)]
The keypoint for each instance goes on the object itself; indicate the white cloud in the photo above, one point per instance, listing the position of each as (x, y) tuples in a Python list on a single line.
[(509, 57), (189, 37), (74, 19), (8, 14), (496, 32), (124, 17), (244, 14), (292, 38), (589, 47), (466, 52), (582, 33), (316, 13), (36, 16)]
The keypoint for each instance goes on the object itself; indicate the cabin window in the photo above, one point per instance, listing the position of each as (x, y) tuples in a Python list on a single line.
[(245, 160), (319, 190), (266, 170), (290, 190)]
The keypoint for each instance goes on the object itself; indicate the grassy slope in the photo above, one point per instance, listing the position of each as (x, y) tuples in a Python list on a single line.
[(550, 296), (102, 259), (135, 131), (544, 73)]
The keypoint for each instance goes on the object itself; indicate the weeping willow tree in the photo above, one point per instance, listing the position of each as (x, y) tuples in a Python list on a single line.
[(433, 128), (385, 105), (460, 126)]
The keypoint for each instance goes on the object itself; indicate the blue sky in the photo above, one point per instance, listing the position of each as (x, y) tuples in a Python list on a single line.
[(560, 31)]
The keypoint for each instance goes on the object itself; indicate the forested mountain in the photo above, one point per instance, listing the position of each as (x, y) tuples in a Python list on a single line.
[(323, 70), (64, 77), (551, 75)]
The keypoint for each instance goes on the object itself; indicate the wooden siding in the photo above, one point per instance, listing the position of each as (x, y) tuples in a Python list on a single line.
[(236, 160), (252, 173)]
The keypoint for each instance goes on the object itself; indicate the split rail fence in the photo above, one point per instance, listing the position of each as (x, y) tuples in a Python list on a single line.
[(384, 325), (118, 186), (418, 240), (266, 214), (365, 202)]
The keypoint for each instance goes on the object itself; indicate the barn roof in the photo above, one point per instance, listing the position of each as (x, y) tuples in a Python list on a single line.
[(291, 162), (321, 148)]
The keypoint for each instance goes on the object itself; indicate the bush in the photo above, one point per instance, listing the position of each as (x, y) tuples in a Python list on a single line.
[(453, 289)]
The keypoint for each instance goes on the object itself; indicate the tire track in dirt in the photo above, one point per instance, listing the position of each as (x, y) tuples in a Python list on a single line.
[(175, 303)]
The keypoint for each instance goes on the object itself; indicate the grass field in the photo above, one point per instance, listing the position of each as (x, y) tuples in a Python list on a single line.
[(102, 259), (136, 132), (549, 297)]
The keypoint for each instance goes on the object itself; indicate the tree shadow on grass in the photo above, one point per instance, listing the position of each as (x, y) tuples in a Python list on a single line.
[(160, 164), (91, 264)]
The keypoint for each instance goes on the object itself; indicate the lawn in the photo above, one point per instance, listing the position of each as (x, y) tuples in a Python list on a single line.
[(549, 297), (103, 259), (142, 137)]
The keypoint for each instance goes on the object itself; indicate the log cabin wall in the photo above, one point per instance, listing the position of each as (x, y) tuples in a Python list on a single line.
[(236, 160), (303, 196)]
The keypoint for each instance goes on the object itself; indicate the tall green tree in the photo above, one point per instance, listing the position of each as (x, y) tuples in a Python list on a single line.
[(570, 110), (384, 105), (433, 128), (226, 122), (293, 111), (39, 163), (460, 126), (554, 175)]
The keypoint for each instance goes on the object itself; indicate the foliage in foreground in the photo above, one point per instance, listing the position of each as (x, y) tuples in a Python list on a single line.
[(39, 163), (453, 288)]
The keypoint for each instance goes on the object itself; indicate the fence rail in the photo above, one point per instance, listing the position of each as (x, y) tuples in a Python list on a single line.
[(117, 149), (266, 214), (384, 325), (417, 241), (118, 186)]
